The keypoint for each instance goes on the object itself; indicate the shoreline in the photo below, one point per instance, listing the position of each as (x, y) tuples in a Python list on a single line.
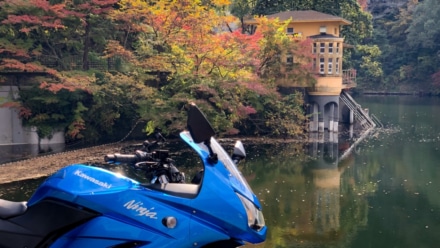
[(46, 165), (397, 93)]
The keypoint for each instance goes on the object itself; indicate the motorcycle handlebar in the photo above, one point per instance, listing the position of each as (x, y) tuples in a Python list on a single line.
[(126, 158), (121, 158)]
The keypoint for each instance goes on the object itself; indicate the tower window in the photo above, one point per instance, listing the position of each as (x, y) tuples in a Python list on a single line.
[(321, 65), (337, 66), (330, 66)]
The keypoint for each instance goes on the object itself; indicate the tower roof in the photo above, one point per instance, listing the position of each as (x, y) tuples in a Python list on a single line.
[(306, 16)]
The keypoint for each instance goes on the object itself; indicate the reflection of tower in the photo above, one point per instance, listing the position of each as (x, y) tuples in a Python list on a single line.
[(324, 146), (325, 179), (325, 203)]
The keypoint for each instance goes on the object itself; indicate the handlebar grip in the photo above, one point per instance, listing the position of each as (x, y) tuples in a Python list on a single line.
[(121, 158)]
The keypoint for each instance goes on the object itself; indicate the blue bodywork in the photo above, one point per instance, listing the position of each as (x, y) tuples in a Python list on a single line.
[(133, 213)]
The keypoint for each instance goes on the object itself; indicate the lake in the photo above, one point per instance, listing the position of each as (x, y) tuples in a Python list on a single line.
[(385, 193)]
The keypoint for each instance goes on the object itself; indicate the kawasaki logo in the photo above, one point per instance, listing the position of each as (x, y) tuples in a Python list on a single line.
[(92, 179)]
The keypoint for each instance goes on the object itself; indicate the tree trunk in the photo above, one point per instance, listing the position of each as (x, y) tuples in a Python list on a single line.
[(86, 46)]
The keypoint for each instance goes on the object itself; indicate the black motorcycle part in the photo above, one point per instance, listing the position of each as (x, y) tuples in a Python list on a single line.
[(224, 244), (126, 158), (201, 130), (198, 126), (130, 244), (42, 224)]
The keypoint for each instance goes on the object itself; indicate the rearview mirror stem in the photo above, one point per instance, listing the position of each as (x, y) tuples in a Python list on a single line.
[(212, 159)]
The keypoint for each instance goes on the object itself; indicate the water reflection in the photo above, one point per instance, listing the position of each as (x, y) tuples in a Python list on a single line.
[(9, 153), (19, 191), (307, 202)]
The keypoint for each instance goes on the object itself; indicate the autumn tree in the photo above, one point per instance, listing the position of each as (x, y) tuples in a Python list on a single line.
[(21, 33), (25, 27), (193, 45), (205, 59), (170, 53), (92, 25), (47, 37)]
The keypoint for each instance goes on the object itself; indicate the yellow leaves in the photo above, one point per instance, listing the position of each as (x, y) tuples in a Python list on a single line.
[(221, 2), (187, 38), (181, 60), (134, 88)]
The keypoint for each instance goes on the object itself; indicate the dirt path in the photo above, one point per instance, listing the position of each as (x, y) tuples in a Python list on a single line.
[(47, 165)]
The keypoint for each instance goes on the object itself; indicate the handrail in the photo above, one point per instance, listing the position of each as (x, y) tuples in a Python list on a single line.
[(365, 120), (376, 120)]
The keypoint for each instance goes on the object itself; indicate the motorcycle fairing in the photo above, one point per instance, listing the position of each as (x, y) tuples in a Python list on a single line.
[(130, 205), (220, 186), (103, 232), (77, 179), (236, 179)]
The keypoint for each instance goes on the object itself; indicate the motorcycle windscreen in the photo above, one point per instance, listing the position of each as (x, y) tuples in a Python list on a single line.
[(237, 180)]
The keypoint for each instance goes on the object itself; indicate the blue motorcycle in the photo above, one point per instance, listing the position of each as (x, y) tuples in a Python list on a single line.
[(88, 206)]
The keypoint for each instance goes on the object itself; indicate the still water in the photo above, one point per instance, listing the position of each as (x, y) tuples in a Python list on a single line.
[(385, 193)]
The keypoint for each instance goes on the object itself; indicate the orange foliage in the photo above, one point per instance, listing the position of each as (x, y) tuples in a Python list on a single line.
[(13, 64), (25, 113), (185, 37), (74, 129), (10, 105), (363, 4), (114, 48), (70, 83)]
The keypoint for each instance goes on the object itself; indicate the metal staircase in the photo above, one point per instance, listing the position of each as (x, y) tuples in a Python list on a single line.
[(361, 116)]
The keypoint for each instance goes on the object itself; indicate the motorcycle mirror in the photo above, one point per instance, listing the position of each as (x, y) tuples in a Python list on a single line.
[(239, 152), (198, 126), (239, 149)]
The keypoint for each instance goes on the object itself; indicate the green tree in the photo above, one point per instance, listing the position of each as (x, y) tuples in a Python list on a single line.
[(49, 111), (408, 45), (361, 26), (424, 30), (370, 67), (423, 36)]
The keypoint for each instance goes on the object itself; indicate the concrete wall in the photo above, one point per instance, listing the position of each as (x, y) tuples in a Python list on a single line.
[(11, 128), (327, 86)]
